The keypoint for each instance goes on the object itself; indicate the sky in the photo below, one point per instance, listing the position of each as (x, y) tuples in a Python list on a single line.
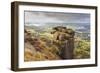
[(35, 17)]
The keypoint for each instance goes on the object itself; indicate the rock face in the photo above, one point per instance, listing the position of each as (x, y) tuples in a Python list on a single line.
[(65, 37), (41, 48)]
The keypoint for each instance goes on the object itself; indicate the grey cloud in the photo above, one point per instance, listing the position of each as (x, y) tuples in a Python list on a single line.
[(52, 17)]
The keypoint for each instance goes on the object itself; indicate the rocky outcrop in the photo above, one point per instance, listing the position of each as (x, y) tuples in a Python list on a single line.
[(39, 48), (65, 38)]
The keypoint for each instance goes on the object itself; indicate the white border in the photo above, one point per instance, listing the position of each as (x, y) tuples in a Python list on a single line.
[(23, 64)]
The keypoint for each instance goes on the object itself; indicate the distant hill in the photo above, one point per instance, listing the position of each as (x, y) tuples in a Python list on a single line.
[(79, 28)]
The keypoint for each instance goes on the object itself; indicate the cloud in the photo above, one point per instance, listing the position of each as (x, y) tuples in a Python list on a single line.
[(52, 17)]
